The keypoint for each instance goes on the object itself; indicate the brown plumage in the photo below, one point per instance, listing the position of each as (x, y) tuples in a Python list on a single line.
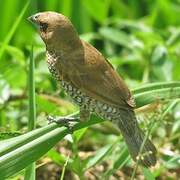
[(91, 81)]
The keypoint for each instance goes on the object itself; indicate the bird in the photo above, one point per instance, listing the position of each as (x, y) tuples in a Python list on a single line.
[(92, 82)]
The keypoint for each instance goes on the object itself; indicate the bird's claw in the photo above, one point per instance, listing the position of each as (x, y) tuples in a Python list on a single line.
[(51, 119), (65, 121)]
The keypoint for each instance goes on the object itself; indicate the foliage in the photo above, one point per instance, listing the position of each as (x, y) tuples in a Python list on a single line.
[(140, 39)]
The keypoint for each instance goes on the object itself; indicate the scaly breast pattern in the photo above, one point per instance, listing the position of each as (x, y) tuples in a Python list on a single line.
[(80, 98)]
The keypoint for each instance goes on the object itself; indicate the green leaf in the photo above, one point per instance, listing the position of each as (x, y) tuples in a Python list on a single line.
[(77, 165), (4, 91), (13, 29), (121, 160), (19, 156), (116, 36), (79, 133), (8, 135), (57, 157), (157, 95), (30, 172), (155, 86), (88, 37), (159, 55), (119, 8), (101, 7), (173, 162), (148, 175), (50, 5), (99, 156), (123, 157), (6, 17), (66, 7), (16, 53)]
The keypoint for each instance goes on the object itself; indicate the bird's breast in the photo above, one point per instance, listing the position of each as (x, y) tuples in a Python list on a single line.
[(104, 110), (52, 61), (89, 103)]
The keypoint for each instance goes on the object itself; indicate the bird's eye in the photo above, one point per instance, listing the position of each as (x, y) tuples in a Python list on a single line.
[(43, 26)]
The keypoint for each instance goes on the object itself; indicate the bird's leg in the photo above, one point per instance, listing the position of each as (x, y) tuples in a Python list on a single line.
[(69, 121), (84, 114), (64, 121)]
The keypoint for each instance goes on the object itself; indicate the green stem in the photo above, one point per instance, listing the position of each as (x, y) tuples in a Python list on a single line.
[(30, 170)]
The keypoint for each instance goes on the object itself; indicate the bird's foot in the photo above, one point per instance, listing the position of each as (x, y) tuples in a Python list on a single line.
[(64, 121)]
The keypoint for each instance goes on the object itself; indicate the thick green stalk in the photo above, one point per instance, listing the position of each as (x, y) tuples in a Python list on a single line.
[(30, 170)]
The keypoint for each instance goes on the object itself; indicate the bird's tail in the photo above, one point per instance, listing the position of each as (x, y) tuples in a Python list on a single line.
[(135, 138)]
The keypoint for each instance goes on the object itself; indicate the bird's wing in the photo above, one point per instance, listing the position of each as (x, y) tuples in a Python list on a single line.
[(97, 78)]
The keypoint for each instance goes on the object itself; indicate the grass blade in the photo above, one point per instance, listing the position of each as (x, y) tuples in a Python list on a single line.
[(64, 168), (154, 86), (147, 174), (99, 156), (30, 170), (13, 29), (156, 92), (32, 102)]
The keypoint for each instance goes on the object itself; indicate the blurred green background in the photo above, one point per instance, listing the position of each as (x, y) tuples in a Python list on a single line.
[(139, 37)]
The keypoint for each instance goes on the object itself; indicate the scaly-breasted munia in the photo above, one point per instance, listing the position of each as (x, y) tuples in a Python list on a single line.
[(91, 81)]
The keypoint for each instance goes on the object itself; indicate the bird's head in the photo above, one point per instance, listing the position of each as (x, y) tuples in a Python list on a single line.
[(54, 27)]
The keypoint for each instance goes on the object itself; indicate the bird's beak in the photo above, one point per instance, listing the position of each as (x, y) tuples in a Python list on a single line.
[(33, 18)]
